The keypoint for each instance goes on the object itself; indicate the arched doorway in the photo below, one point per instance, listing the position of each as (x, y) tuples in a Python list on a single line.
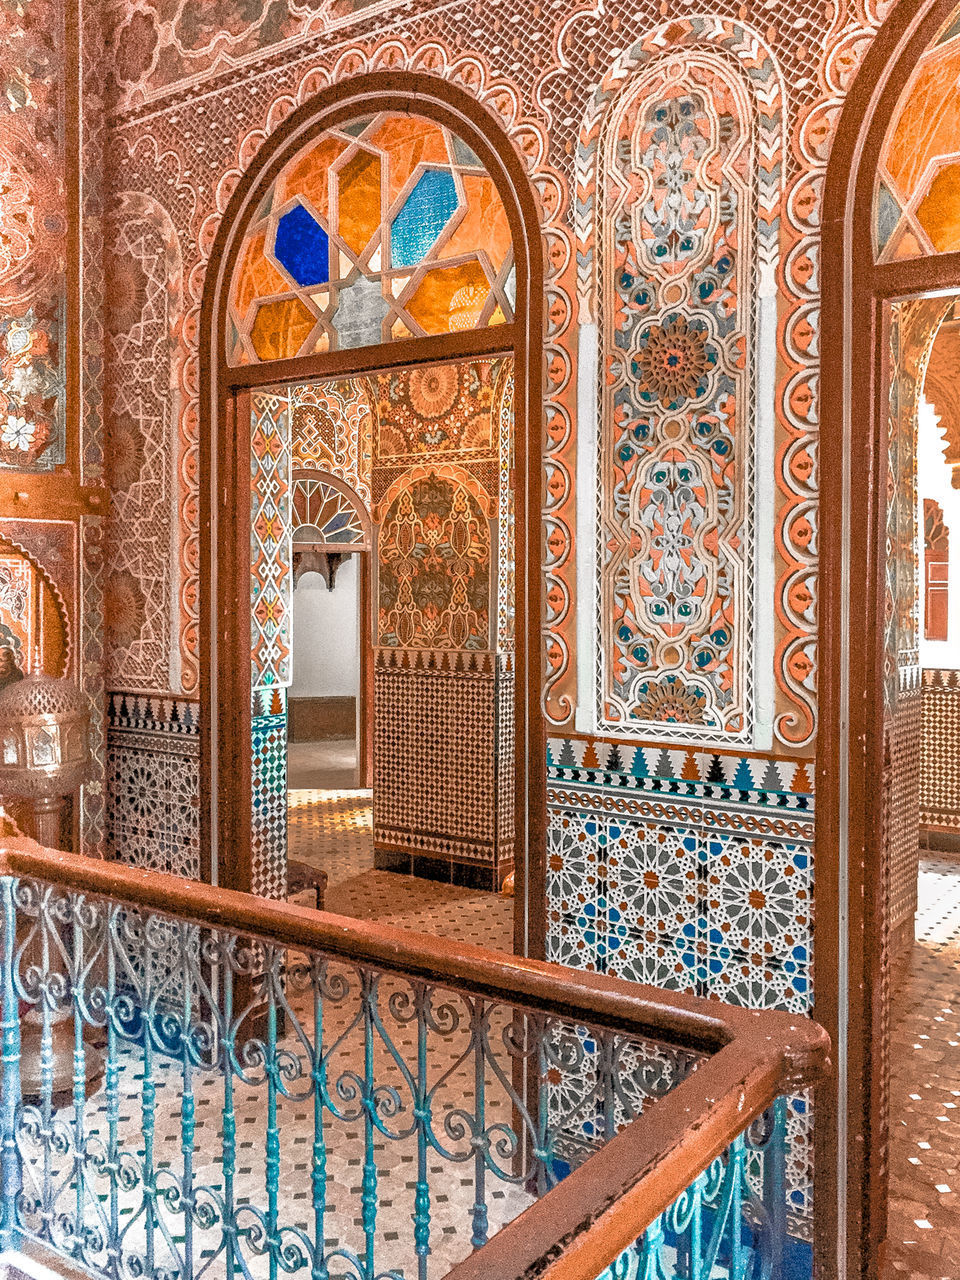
[(331, 531), (886, 271), (230, 378)]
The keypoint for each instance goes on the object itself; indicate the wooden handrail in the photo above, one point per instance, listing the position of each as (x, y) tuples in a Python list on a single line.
[(589, 1218)]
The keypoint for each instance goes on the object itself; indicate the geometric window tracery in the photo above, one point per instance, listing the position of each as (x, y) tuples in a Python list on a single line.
[(384, 228), (324, 513), (916, 203)]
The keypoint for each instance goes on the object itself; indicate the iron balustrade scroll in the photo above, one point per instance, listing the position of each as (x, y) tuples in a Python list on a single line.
[(289, 1092)]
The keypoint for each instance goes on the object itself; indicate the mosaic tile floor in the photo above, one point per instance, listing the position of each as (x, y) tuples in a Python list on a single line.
[(333, 830), (924, 1221)]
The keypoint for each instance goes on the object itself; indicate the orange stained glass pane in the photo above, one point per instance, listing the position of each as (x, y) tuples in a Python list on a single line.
[(359, 200), (408, 141), (939, 210), (450, 299), (483, 226), (256, 277), (929, 121), (903, 244), (281, 328), (309, 174)]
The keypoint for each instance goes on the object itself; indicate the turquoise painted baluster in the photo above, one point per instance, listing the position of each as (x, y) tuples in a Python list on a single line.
[(479, 1015), (228, 1123), (148, 1106), (79, 1084), (273, 1131), (647, 1264), (112, 1091), (319, 1174), (421, 1200), (736, 1172), (695, 1232), (368, 1195), (187, 1108), (775, 1184), (46, 1076), (541, 1029), (11, 1174)]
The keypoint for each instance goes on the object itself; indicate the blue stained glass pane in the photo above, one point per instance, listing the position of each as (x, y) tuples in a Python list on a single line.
[(302, 247), (888, 215), (424, 215)]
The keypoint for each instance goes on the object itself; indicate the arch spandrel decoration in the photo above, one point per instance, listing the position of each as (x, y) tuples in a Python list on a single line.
[(384, 228), (686, 227), (916, 209)]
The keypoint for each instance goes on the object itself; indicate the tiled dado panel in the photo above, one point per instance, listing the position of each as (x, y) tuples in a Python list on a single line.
[(901, 810), (682, 868), (269, 793), (940, 751), (440, 787), (153, 782), (691, 871)]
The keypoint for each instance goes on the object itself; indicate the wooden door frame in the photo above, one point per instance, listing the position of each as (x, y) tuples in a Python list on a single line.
[(224, 472), (852, 997)]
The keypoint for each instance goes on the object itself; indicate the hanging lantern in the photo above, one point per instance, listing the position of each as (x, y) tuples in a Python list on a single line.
[(44, 746)]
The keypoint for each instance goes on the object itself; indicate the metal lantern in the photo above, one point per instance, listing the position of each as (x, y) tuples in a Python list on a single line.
[(45, 757), (44, 746)]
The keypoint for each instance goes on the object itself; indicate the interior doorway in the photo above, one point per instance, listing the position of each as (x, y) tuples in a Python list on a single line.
[(382, 527), (890, 261), (921, 781), (330, 697), (324, 708), (386, 226)]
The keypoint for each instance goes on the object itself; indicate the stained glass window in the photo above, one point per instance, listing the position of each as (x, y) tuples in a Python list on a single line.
[(323, 513), (916, 208), (384, 228)]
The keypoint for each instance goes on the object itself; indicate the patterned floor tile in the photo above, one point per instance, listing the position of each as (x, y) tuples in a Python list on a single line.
[(924, 1215), (333, 830)]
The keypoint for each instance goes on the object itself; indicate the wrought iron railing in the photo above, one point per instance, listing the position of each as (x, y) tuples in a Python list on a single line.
[(285, 1091)]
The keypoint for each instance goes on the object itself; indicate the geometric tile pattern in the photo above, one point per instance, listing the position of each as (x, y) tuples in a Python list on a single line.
[(271, 606), (435, 766), (269, 794), (901, 785), (691, 871), (682, 868), (940, 750), (153, 783)]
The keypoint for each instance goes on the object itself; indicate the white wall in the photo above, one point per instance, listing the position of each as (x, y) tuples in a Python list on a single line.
[(326, 647), (934, 481)]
